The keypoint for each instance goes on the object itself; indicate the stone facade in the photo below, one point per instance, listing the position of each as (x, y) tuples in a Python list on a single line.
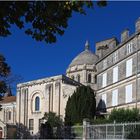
[(53, 93), (7, 114), (125, 57), (113, 72), (82, 69)]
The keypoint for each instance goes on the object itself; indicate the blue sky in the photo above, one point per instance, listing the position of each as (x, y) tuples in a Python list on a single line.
[(33, 60)]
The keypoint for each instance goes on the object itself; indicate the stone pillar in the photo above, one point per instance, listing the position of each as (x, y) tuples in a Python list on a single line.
[(86, 129)]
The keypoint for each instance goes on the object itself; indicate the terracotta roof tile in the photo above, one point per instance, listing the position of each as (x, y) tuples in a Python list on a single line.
[(8, 99)]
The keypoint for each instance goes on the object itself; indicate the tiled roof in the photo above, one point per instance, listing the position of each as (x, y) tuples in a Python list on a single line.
[(8, 99)]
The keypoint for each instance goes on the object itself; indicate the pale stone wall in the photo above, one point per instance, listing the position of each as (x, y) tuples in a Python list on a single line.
[(4, 116), (53, 93), (6, 107), (83, 70), (3, 127)]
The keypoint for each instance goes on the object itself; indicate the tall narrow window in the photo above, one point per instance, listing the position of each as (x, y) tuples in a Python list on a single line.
[(104, 79), (128, 93), (95, 79), (78, 78), (115, 56), (115, 74), (31, 124), (9, 115), (89, 78), (115, 97), (129, 48), (37, 103), (129, 67)]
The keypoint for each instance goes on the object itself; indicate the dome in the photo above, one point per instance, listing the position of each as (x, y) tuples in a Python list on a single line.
[(85, 57)]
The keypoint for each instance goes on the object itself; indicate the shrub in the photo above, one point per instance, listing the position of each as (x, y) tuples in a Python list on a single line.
[(124, 115)]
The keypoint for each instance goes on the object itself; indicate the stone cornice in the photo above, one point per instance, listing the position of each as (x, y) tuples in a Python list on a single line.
[(40, 81), (58, 78)]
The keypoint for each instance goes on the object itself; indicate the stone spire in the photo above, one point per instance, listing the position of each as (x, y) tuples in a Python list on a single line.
[(8, 92), (87, 45)]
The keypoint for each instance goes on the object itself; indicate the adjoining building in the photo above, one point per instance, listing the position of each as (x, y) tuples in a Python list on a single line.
[(113, 71), (118, 71), (7, 115)]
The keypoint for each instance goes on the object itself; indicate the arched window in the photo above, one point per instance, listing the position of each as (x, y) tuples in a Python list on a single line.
[(78, 78), (37, 103), (72, 77), (89, 78)]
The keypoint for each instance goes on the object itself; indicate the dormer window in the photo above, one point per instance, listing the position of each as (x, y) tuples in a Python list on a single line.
[(105, 64), (115, 56), (129, 48)]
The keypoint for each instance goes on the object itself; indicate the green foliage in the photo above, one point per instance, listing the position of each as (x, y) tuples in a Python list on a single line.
[(124, 115), (22, 132), (4, 73), (100, 121), (47, 129), (42, 20), (53, 119), (119, 116), (80, 105)]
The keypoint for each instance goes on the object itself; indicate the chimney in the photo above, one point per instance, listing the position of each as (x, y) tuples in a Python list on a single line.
[(124, 35), (137, 26), (105, 46)]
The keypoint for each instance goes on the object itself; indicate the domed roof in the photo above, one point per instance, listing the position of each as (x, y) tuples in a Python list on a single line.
[(85, 57)]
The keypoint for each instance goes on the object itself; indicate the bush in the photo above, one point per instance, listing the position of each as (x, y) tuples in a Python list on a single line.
[(100, 121), (53, 121), (124, 115), (120, 116)]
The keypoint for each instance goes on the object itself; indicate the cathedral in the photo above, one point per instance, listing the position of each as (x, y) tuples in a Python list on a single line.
[(113, 72)]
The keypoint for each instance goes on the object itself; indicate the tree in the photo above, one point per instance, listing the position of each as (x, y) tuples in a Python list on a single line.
[(4, 73), (52, 121), (22, 132), (44, 20), (82, 104)]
